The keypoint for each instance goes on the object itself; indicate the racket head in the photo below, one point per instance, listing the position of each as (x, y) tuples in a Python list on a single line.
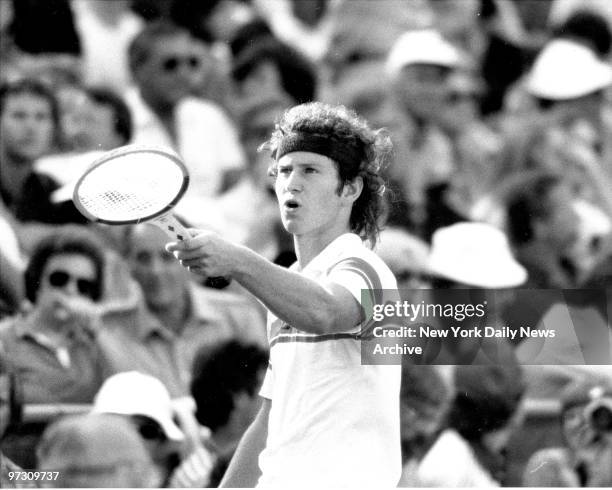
[(131, 184)]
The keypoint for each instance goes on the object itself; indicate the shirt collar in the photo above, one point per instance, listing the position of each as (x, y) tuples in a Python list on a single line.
[(336, 249)]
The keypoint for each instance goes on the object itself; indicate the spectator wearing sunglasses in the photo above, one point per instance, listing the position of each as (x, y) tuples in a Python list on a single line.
[(52, 346), (167, 65)]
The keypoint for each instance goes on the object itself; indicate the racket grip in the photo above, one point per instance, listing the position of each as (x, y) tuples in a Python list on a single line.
[(174, 229)]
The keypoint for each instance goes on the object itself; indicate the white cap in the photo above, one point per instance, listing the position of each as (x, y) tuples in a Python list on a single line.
[(134, 393), (476, 254), (424, 46), (566, 69)]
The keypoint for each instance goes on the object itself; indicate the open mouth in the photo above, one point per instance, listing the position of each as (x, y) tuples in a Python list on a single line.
[(291, 204)]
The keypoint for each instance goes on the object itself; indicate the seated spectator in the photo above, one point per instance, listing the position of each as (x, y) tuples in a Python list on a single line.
[(166, 64), (93, 451), (472, 259), (543, 228), (29, 129), (433, 93), (145, 402), (53, 345), (469, 453), (569, 78), (586, 425), (172, 318), (225, 387)]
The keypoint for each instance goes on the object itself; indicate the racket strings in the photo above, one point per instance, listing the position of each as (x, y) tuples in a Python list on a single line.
[(119, 192)]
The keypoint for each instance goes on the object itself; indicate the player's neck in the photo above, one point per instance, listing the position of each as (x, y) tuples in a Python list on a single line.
[(307, 247)]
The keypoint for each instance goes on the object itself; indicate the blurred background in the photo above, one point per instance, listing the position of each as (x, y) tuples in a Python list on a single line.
[(118, 368)]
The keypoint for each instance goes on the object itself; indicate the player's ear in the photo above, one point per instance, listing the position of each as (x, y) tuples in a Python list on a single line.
[(352, 189)]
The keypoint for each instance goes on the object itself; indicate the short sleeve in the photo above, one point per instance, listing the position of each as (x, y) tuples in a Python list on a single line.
[(355, 274)]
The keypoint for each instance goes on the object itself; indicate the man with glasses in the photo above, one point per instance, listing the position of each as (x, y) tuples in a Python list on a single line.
[(167, 67), (52, 346)]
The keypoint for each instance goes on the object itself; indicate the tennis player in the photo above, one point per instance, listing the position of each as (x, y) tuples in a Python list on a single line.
[(326, 419)]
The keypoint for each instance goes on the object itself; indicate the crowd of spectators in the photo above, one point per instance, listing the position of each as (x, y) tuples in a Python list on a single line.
[(120, 368)]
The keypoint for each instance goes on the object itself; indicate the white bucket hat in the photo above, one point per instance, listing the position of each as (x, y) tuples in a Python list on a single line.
[(566, 69), (135, 393), (423, 46), (476, 254)]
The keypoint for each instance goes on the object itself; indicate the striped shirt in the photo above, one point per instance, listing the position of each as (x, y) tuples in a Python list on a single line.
[(333, 421)]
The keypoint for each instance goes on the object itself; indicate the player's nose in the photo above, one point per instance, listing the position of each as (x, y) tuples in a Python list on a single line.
[(294, 182)]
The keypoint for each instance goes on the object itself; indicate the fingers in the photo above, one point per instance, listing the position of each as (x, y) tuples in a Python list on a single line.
[(199, 238), (204, 254), (194, 262)]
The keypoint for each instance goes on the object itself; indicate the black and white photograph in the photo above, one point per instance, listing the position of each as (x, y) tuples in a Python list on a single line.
[(305, 243)]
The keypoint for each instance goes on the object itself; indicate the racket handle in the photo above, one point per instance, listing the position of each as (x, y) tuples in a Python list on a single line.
[(174, 229)]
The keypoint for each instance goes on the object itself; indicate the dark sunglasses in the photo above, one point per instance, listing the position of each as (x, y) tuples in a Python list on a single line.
[(149, 429), (172, 63), (85, 287)]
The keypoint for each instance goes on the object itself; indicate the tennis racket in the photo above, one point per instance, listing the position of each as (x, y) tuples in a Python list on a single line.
[(136, 184)]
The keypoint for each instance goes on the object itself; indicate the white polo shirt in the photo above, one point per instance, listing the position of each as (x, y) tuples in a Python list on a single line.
[(333, 421)]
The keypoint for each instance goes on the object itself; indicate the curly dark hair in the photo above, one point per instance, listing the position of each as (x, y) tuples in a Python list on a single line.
[(221, 373), (69, 239), (373, 147)]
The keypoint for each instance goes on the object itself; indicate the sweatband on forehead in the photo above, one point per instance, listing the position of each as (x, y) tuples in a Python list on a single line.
[(344, 153)]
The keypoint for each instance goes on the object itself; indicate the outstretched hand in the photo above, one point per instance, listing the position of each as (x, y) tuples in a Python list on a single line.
[(206, 254)]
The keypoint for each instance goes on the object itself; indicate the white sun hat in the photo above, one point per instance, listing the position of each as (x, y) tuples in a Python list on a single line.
[(476, 254), (566, 69), (423, 46), (135, 393)]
